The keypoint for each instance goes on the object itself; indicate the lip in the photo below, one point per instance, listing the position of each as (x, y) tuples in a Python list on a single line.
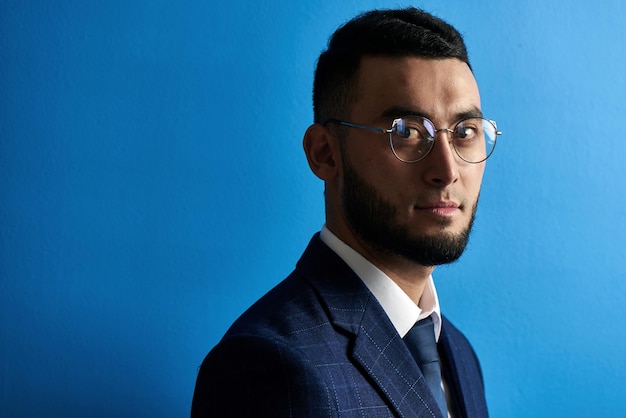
[(444, 209)]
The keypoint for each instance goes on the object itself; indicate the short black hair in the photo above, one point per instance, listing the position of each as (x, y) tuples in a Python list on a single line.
[(394, 33)]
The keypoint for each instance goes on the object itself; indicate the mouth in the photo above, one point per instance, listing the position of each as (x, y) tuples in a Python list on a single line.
[(441, 209)]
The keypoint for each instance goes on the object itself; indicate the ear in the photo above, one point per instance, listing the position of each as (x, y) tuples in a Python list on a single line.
[(322, 151)]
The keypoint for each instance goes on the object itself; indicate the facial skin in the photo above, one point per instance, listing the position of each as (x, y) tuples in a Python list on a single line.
[(400, 216), (372, 217)]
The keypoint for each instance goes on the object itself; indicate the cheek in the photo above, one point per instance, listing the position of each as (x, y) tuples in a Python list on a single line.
[(393, 183), (379, 170)]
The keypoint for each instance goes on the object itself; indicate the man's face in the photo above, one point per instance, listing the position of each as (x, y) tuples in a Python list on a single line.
[(420, 211)]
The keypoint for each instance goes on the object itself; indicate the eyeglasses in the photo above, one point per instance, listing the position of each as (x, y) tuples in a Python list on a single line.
[(412, 137)]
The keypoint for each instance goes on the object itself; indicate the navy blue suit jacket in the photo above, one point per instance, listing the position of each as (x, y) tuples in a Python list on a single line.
[(320, 345)]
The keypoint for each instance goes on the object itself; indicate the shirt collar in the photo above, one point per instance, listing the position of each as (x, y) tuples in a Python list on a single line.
[(400, 309)]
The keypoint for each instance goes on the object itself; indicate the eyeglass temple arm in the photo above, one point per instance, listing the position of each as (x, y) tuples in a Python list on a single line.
[(354, 125)]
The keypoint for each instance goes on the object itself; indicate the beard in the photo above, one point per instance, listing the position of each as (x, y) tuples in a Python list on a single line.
[(373, 219)]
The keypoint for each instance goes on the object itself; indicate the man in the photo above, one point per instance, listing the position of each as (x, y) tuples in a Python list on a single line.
[(400, 143)]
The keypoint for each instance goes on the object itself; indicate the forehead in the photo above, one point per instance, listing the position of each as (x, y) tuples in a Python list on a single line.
[(437, 88)]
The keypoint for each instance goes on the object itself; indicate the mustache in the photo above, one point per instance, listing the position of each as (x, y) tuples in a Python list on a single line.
[(435, 198)]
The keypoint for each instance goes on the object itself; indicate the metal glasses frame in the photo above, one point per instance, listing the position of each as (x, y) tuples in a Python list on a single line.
[(391, 131)]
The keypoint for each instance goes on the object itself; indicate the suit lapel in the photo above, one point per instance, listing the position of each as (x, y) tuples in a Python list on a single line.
[(378, 349), (385, 357)]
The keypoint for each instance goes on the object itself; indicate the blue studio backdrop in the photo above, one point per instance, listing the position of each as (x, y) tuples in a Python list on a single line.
[(153, 186)]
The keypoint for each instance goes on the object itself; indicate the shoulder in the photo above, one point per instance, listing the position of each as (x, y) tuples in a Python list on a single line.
[(267, 362), (320, 287), (246, 374), (281, 356), (284, 311)]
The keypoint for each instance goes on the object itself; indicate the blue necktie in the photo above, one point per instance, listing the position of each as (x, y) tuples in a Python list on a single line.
[(421, 343)]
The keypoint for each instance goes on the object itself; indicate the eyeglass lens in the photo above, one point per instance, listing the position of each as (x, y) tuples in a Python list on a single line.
[(412, 138)]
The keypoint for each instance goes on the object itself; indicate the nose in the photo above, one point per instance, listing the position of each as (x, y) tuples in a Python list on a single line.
[(441, 163)]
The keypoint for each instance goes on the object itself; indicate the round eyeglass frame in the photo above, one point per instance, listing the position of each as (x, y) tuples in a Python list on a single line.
[(391, 131)]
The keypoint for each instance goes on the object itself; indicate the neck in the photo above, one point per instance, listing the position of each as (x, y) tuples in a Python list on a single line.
[(408, 275)]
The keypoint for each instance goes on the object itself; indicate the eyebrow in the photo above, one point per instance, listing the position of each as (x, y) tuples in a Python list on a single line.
[(399, 111)]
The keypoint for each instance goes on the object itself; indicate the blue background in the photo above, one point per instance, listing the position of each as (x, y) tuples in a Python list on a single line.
[(153, 185)]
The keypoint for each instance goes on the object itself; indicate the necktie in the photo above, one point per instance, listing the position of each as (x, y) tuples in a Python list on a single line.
[(421, 343)]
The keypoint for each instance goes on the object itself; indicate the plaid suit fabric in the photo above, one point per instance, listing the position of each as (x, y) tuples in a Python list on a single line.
[(320, 345)]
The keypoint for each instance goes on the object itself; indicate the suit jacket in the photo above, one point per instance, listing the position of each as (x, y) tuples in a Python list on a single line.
[(320, 345)]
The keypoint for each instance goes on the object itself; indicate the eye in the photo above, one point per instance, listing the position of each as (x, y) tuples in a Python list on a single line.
[(410, 133), (410, 130), (466, 131)]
